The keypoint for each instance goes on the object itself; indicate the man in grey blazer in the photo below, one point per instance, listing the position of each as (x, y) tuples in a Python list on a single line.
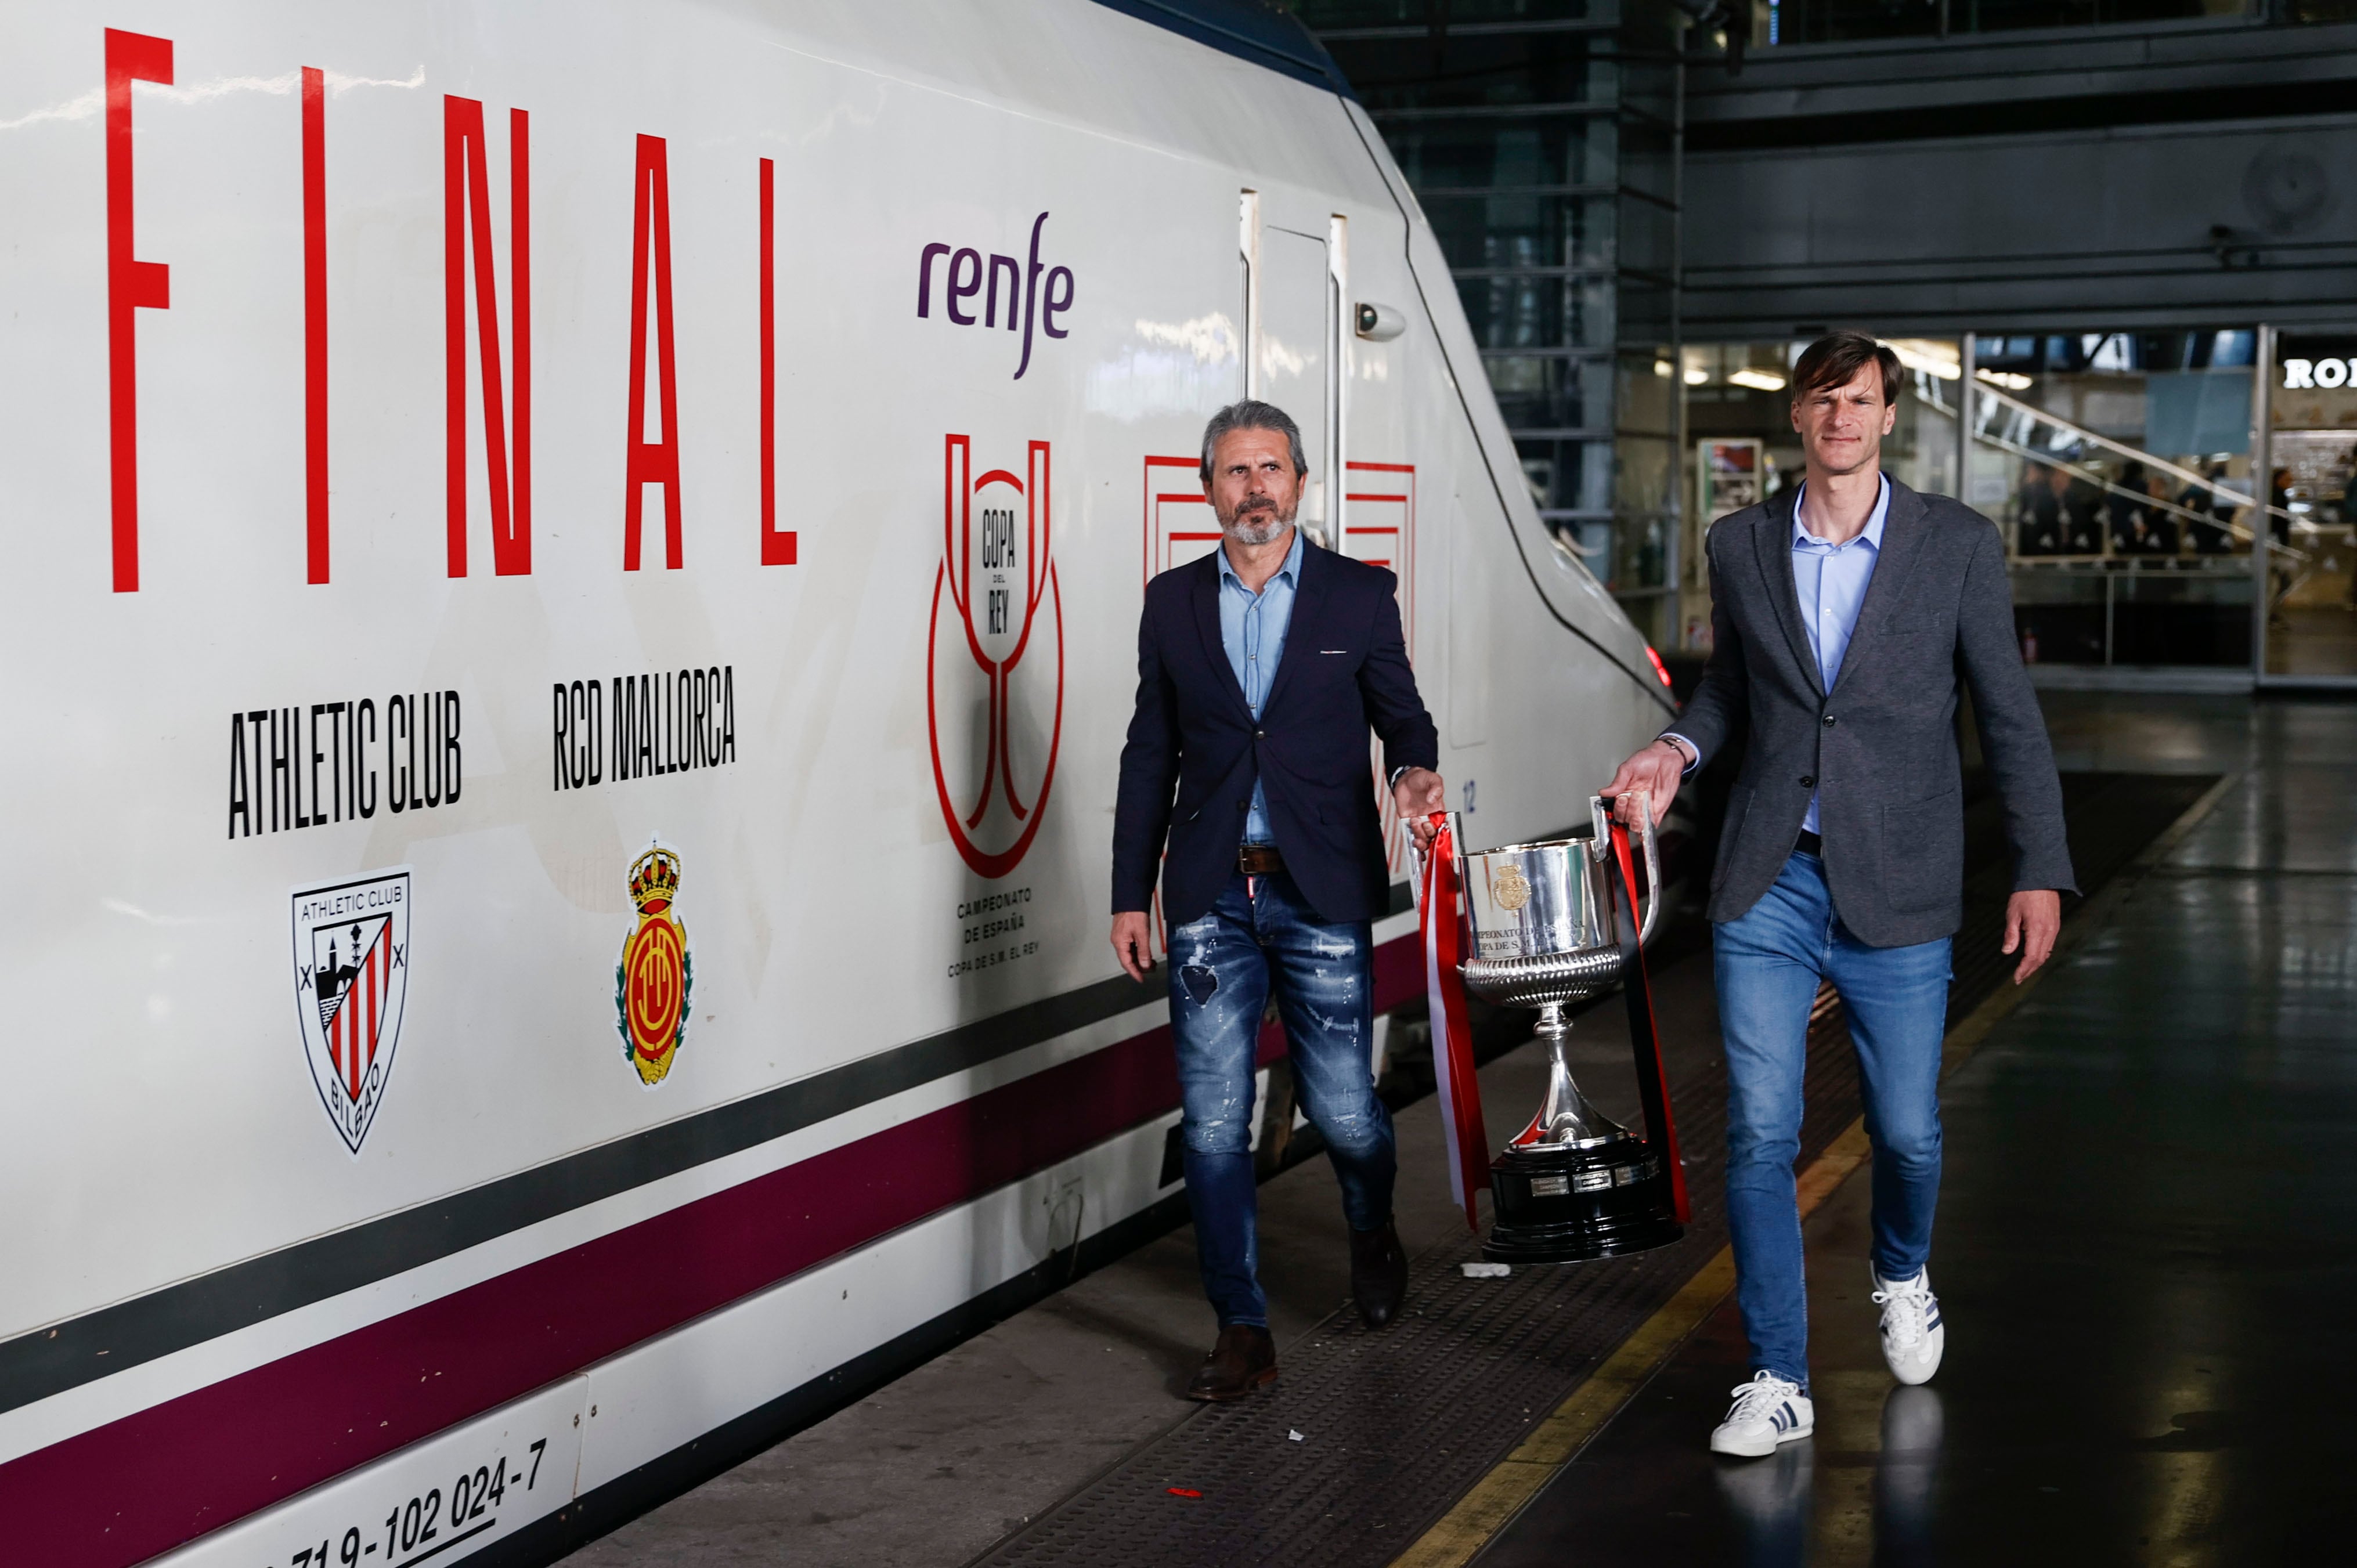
[(1847, 618)]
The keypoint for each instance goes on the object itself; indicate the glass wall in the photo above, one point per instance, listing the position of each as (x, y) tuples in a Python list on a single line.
[(2311, 627), (1540, 138), (2117, 466)]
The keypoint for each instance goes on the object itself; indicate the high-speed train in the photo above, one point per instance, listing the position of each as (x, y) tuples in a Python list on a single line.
[(573, 573)]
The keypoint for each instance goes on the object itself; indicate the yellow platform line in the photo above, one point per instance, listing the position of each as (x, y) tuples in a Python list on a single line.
[(1501, 1494)]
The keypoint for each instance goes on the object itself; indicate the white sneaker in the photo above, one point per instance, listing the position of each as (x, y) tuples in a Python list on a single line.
[(1768, 1409), (1912, 1337)]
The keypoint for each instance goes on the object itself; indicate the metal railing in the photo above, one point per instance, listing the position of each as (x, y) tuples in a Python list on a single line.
[(2004, 423)]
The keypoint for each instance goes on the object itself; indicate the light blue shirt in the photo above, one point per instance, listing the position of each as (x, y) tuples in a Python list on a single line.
[(1251, 633), (1831, 581)]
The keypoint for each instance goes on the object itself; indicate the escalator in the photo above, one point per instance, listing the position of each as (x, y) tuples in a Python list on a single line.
[(2122, 556)]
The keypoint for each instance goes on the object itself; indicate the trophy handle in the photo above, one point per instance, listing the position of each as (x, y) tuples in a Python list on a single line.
[(1603, 850), (1455, 824), (1652, 867)]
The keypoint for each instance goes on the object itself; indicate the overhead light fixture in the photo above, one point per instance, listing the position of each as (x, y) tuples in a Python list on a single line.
[(1758, 381), (1695, 377), (1661, 369), (1928, 358), (2005, 379)]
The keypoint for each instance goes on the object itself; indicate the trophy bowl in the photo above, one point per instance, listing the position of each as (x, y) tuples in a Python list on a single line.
[(1542, 933)]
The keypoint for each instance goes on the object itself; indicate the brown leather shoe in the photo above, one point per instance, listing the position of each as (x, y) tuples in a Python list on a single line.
[(1377, 1273), (1244, 1359)]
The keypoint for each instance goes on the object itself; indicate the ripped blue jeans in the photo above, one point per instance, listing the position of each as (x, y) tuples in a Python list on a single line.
[(1221, 969)]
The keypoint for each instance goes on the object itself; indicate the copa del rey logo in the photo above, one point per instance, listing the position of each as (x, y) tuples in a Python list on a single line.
[(351, 977), (995, 656)]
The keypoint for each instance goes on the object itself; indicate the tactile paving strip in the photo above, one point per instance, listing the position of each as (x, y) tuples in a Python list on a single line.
[(1395, 1426)]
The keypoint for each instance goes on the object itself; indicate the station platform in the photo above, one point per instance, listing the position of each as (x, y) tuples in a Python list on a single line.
[(2144, 1253)]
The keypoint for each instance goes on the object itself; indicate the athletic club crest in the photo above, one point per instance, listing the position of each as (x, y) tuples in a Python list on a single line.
[(351, 976), (995, 656), (655, 978)]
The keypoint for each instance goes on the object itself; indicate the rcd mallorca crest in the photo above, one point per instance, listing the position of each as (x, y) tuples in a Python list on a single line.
[(351, 976), (655, 977), (995, 675)]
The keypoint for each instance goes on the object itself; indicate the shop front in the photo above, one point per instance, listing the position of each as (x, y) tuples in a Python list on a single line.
[(2122, 471), (2310, 636)]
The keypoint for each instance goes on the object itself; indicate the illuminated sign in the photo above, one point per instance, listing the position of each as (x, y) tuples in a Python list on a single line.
[(2304, 375)]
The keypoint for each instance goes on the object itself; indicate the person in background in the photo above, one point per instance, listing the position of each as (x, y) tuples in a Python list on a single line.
[(2080, 502), (2040, 518), (2129, 524), (2212, 537), (2161, 534), (2062, 513), (2280, 575), (2328, 506)]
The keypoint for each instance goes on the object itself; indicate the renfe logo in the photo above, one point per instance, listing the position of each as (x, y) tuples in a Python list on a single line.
[(966, 276), (996, 719)]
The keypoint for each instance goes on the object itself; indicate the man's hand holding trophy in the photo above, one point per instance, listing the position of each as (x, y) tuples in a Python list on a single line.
[(1543, 924)]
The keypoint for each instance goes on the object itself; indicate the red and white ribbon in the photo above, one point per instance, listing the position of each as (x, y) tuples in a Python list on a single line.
[(1645, 1037), (1452, 1028)]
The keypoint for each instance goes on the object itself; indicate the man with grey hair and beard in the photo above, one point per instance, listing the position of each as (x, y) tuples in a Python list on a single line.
[(1261, 670)]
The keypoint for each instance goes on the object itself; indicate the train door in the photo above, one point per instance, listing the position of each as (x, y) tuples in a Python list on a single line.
[(1296, 296), (1295, 308)]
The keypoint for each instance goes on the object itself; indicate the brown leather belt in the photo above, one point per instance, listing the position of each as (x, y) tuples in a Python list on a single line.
[(1259, 859)]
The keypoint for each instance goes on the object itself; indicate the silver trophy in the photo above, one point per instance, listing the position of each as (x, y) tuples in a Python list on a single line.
[(1542, 931)]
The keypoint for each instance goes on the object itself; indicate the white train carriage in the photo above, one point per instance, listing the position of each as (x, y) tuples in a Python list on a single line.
[(574, 575)]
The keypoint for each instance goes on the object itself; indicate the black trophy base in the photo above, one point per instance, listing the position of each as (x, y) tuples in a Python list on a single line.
[(1566, 1206)]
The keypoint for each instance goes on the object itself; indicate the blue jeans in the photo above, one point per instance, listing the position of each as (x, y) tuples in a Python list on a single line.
[(1220, 968), (1769, 964)]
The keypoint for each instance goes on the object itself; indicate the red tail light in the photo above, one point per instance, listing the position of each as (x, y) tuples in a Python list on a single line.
[(1659, 668)]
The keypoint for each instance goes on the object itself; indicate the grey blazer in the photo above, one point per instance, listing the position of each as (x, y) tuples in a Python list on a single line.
[(1879, 749)]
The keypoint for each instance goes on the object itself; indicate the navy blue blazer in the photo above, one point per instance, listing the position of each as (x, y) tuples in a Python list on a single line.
[(1193, 752)]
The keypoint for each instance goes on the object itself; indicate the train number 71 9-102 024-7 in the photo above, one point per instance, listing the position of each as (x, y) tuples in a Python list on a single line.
[(429, 1524)]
